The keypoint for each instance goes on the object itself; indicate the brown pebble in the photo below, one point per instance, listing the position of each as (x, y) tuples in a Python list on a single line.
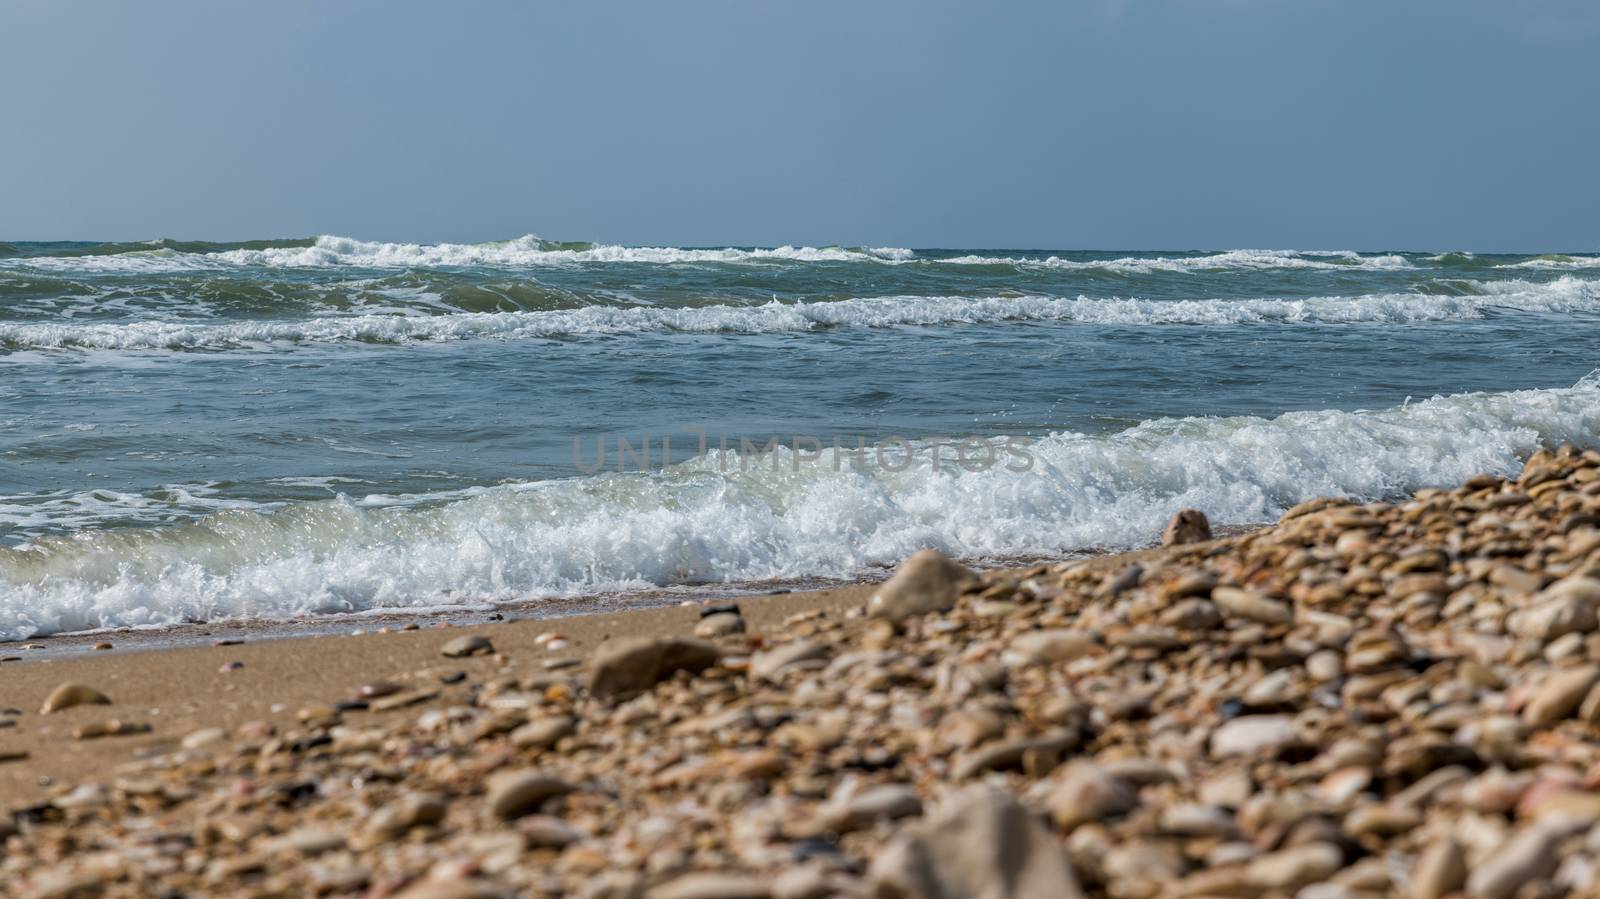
[(70, 694), (467, 645)]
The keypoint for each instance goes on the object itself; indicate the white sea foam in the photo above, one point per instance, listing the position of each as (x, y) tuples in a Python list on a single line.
[(1565, 295), (696, 523), (1232, 260), (335, 252), (1556, 262)]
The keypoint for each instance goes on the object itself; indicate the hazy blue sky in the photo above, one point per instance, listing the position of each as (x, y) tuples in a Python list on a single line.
[(1097, 124)]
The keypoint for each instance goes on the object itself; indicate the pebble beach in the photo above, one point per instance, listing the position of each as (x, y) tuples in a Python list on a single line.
[(1387, 699)]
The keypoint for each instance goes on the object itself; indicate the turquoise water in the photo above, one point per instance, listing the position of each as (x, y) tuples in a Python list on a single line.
[(275, 429)]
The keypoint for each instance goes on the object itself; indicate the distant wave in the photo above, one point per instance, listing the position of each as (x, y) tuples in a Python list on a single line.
[(334, 252), (1566, 295), (708, 522), (1555, 261), (1227, 261)]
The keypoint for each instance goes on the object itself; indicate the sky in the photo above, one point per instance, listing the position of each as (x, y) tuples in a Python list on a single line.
[(1094, 124)]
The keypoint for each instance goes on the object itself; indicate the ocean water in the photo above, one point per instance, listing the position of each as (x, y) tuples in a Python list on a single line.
[(278, 429)]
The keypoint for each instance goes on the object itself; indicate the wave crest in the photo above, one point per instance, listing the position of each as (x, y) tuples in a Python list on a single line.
[(696, 523), (1566, 295)]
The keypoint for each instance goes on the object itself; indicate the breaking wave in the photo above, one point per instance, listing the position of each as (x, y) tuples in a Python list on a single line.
[(713, 521), (1472, 300)]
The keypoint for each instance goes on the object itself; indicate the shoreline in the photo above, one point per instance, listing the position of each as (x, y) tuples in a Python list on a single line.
[(169, 660), (1393, 698), (292, 663), (384, 619)]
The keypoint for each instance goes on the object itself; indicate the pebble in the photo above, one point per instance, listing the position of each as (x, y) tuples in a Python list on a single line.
[(542, 733), (711, 885), (884, 803), (1086, 794), (720, 625), (1187, 526), (629, 666), (1440, 870), (985, 844), (403, 814), (467, 645), (516, 793), (1527, 857), (925, 582), (1251, 606), (771, 664), (203, 737), (1560, 695), (111, 728), (1253, 735), (1289, 869), (69, 695), (546, 832), (1053, 646)]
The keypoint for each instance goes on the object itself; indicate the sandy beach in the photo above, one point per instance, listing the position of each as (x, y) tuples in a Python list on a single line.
[(180, 688), (1361, 700)]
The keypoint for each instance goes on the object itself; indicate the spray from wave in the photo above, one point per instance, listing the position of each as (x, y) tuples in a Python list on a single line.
[(712, 522)]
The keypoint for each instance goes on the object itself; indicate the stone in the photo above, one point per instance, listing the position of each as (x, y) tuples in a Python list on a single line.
[(203, 737), (1192, 614), (927, 581), (713, 885), (1382, 821), (1325, 665), (803, 882), (467, 645), (408, 811), (547, 832), (985, 846), (1295, 867), (771, 664), (1230, 788), (1251, 606), (1086, 794), (71, 694), (1529, 855), (1187, 526), (861, 810), (1553, 617), (1191, 820), (542, 733), (112, 728), (513, 794), (307, 841), (1120, 583), (631, 666), (1560, 695), (966, 728), (379, 689), (723, 624), (1251, 735), (463, 888), (1052, 646), (1008, 754)]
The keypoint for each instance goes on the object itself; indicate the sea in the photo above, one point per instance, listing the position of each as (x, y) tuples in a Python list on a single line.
[(279, 430)]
